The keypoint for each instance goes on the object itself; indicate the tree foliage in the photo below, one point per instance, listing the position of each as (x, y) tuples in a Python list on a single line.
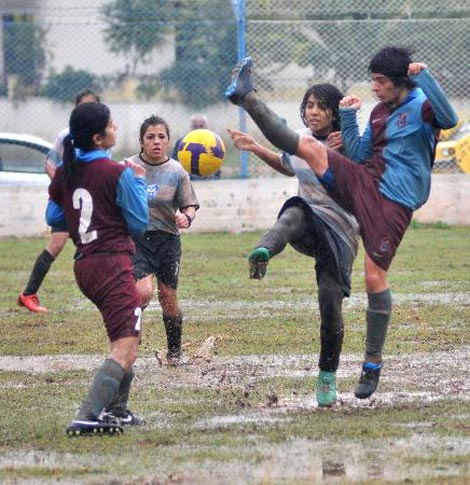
[(24, 52), (205, 52), (333, 38), (64, 86), (204, 35), (135, 28)]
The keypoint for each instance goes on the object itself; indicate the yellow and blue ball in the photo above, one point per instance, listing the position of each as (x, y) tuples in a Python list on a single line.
[(201, 152)]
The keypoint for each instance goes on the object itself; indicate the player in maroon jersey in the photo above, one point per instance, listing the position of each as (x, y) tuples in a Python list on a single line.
[(103, 202), (59, 236)]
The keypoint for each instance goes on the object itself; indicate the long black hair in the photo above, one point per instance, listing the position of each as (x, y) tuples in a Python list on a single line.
[(86, 121), (393, 62), (328, 96)]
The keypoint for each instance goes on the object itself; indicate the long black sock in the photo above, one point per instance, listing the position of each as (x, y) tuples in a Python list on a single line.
[(289, 227), (330, 298), (174, 329), (118, 405), (40, 269), (104, 387), (273, 127)]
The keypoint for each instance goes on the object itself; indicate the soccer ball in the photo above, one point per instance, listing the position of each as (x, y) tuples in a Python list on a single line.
[(201, 152)]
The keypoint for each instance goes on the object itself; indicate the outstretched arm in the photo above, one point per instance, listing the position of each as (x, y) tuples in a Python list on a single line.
[(243, 141)]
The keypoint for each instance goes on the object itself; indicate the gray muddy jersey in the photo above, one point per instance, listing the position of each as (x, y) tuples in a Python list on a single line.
[(312, 191), (168, 189)]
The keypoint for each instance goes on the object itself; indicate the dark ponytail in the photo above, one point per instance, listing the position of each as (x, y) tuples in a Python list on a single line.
[(86, 121), (69, 156)]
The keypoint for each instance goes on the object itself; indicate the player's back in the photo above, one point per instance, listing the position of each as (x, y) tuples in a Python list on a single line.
[(89, 200)]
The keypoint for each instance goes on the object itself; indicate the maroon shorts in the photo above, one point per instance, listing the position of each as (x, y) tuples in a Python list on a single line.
[(107, 279), (382, 222)]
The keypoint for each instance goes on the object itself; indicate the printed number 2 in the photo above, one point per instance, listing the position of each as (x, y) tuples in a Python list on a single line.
[(138, 314), (83, 202)]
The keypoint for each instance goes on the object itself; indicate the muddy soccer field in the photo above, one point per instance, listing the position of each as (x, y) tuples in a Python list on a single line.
[(243, 411)]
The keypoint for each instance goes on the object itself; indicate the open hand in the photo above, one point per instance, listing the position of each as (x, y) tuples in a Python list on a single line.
[(138, 170), (241, 140)]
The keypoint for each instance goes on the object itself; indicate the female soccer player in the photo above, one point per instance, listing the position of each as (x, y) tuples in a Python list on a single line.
[(172, 206), (102, 203), (385, 176), (314, 225), (59, 236)]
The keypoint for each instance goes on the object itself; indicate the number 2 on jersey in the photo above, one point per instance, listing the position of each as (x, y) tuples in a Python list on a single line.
[(83, 202)]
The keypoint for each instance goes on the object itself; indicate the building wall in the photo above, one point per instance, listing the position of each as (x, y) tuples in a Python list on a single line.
[(232, 205)]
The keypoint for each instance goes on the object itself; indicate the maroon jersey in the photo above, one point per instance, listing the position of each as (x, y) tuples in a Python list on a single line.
[(88, 199)]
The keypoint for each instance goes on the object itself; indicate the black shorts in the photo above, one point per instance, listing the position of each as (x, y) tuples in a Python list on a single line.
[(332, 255), (62, 228), (158, 253)]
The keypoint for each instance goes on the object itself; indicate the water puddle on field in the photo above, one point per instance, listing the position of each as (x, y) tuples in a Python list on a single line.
[(263, 309), (295, 461), (407, 379)]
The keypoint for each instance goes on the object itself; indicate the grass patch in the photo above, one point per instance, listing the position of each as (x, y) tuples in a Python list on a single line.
[(249, 412)]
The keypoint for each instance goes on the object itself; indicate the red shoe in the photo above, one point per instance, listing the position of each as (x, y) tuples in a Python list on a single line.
[(31, 302)]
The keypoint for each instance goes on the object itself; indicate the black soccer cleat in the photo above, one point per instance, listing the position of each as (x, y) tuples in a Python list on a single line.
[(242, 83), (127, 418), (368, 381), (85, 427)]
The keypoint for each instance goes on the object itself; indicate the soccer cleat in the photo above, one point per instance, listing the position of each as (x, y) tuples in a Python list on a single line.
[(326, 389), (242, 83), (83, 427), (127, 418), (176, 358), (31, 302), (368, 381), (258, 261)]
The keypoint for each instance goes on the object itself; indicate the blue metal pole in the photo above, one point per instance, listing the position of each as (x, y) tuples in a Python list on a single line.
[(239, 9)]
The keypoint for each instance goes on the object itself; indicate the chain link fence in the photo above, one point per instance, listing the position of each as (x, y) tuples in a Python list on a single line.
[(173, 58)]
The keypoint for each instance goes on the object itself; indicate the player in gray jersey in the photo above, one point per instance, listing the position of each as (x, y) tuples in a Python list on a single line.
[(314, 225), (172, 206)]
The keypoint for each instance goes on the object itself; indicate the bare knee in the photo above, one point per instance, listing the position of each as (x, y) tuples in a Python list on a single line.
[(375, 277), (124, 351), (56, 243), (314, 153), (145, 290), (375, 282)]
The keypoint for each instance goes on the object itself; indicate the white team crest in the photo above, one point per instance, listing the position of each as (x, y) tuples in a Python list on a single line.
[(152, 191)]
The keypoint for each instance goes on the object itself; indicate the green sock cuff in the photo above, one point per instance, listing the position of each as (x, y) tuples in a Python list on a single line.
[(113, 369), (380, 301), (260, 255), (324, 374)]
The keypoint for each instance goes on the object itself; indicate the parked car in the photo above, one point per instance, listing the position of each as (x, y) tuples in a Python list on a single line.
[(453, 151), (22, 158)]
